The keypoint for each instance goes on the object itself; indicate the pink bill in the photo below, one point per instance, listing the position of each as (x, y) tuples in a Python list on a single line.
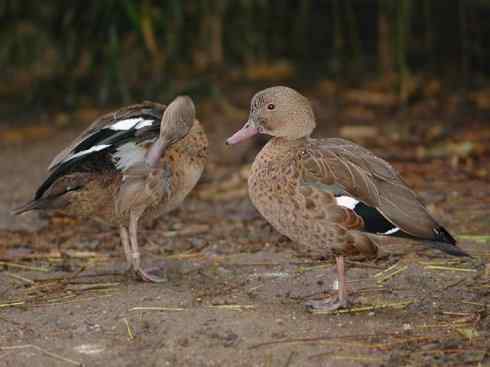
[(244, 133)]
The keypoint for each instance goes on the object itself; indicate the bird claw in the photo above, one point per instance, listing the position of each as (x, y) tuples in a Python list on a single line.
[(327, 305), (146, 276)]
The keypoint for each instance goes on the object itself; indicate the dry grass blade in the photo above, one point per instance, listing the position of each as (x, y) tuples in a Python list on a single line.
[(440, 262), (363, 265), (94, 286), (129, 329), (397, 305), (162, 309), (24, 267), (456, 313), (381, 273), (233, 307), (59, 301), (479, 239), (18, 277), (43, 351), (449, 268), (391, 275), (12, 304), (344, 340)]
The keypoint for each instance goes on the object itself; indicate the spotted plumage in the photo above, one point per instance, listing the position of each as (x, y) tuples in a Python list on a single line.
[(140, 161), (329, 195)]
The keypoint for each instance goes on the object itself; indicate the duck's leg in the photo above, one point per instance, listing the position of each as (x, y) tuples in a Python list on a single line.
[(341, 300), (126, 245), (135, 254)]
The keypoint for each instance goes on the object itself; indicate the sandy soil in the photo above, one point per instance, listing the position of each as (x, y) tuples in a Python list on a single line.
[(235, 289)]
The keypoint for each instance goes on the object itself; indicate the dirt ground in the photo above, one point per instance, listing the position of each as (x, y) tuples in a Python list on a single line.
[(236, 288)]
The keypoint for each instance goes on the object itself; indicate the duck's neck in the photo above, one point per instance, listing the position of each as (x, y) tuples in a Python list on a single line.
[(283, 143)]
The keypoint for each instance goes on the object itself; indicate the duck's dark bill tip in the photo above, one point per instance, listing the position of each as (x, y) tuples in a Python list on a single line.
[(243, 134)]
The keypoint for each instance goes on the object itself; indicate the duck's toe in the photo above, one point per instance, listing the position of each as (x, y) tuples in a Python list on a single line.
[(147, 276), (327, 305)]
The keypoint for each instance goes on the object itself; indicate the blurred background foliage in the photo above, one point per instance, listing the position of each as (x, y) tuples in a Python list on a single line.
[(66, 53)]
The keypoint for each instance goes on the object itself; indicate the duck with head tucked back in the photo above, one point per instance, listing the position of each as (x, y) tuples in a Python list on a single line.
[(138, 162), (329, 194)]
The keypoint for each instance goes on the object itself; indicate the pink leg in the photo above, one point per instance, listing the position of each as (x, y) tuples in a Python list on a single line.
[(341, 301), (135, 254), (339, 260), (126, 244)]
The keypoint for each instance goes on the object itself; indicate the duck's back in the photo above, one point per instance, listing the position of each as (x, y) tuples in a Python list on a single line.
[(325, 193), (85, 178)]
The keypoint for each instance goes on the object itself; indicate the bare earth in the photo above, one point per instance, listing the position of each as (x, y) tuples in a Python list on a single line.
[(236, 288)]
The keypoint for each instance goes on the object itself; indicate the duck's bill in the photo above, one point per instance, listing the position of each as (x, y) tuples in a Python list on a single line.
[(244, 133)]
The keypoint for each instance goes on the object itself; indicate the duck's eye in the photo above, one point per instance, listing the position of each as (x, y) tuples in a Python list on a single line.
[(271, 106)]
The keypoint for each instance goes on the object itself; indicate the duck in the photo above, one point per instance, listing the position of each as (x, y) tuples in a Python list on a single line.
[(129, 166), (329, 195)]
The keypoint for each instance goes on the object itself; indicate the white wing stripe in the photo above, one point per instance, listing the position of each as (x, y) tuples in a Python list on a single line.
[(346, 202), (144, 123), (95, 148), (391, 231), (128, 124)]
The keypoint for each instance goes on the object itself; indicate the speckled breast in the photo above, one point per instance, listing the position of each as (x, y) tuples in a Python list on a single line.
[(273, 186), (187, 160), (304, 214)]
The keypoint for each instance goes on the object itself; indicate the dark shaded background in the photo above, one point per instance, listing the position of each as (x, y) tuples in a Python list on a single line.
[(64, 54)]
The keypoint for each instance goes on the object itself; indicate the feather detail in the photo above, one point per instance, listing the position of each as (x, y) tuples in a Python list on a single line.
[(128, 155)]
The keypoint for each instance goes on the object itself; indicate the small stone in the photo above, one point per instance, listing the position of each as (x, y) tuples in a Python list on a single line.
[(407, 327), (183, 342), (230, 339)]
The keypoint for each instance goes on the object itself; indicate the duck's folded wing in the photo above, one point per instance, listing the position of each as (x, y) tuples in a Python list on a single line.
[(110, 142), (111, 128), (354, 174)]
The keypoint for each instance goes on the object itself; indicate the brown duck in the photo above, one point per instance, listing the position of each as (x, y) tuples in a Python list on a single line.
[(138, 162), (329, 194)]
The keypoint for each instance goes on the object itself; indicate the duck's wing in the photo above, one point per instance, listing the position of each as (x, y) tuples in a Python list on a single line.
[(113, 141), (110, 128), (370, 188)]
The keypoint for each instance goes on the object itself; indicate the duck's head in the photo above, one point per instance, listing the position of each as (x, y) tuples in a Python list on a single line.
[(277, 111), (177, 120)]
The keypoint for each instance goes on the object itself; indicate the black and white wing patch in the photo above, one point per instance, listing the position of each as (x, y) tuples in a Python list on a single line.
[(111, 136), (374, 221), (117, 145)]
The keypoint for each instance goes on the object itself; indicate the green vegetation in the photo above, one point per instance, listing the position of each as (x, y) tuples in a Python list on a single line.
[(116, 50)]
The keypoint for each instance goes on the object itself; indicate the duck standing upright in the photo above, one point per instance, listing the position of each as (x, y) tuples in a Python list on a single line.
[(138, 162), (329, 193)]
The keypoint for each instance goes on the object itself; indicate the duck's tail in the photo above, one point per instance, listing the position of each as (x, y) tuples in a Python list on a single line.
[(448, 248), (444, 241)]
